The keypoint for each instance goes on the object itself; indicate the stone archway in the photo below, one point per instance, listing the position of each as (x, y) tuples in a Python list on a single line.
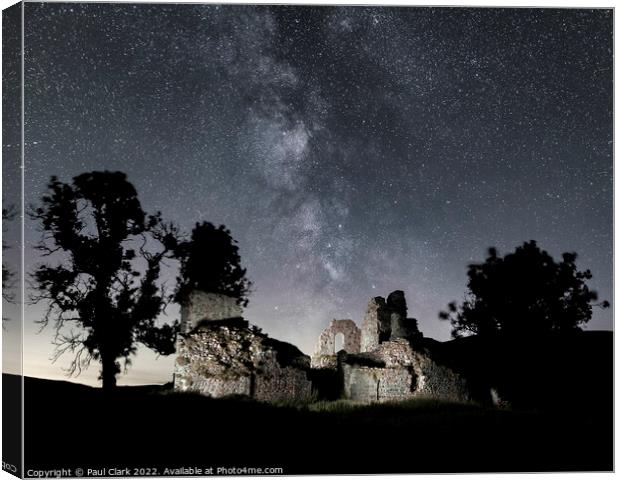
[(351, 338)]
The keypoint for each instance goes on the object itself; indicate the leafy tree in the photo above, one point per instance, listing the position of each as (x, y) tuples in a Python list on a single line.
[(210, 262), (523, 292), (106, 278)]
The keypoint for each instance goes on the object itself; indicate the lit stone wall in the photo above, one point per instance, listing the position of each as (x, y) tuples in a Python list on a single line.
[(376, 325), (324, 355), (221, 354), (276, 382), (394, 371), (387, 320), (201, 306), (213, 387), (229, 357), (438, 381)]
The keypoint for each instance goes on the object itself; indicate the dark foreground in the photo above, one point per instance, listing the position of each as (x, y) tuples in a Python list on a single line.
[(562, 420), (71, 427)]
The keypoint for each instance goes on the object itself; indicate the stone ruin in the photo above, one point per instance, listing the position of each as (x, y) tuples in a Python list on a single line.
[(392, 362), (219, 354), (201, 306), (387, 320), (325, 353)]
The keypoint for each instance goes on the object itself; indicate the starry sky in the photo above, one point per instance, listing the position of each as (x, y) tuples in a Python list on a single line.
[(351, 151)]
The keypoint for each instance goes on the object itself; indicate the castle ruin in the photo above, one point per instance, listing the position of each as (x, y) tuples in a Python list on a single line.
[(219, 353), (325, 353)]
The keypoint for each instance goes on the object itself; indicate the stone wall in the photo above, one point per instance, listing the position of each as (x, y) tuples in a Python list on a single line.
[(376, 326), (220, 354), (360, 383), (386, 373), (400, 325), (200, 306), (396, 384), (212, 386), (395, 371), (376, 384), (438, 381), (226, 357), (324, 355), (396, 353), (387, 320), (275, 382)]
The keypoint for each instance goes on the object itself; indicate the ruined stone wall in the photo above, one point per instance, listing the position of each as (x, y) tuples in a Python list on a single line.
[(349, 330), (438, 381), (396, 384), (360, 383), (216, 361), (396, 353), (221, 354), (387, 320), (394, 371), (201, 306), (397, 307), (324, 355), (391, 378), (228, 357), (376, 326), (376, 384), (276, 383), (215, 387)]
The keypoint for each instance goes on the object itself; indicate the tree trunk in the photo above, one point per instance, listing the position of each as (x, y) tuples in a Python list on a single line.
[(109, 369)]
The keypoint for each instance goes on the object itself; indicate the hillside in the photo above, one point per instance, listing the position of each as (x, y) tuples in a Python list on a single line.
[(70, 426)]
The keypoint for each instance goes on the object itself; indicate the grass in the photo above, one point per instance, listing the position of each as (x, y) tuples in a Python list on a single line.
[(69, 425), (345, 407)]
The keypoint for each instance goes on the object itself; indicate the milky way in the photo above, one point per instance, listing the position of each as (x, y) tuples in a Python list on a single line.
[(351, 151)]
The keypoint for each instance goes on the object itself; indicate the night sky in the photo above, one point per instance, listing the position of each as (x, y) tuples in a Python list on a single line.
[(351, 151)]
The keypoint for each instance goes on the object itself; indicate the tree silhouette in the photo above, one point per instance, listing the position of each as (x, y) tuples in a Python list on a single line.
[(108, 256), (8, 275), (523, 292), (210, 262)]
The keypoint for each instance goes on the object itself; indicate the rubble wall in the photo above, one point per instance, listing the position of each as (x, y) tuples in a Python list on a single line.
[(395, 371), (232, 357), (200, 306), (324, 355)]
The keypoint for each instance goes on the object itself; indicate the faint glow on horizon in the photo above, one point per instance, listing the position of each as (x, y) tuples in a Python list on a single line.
[(351, 152)]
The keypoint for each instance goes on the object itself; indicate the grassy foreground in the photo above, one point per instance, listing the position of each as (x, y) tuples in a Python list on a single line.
[(72, 426)]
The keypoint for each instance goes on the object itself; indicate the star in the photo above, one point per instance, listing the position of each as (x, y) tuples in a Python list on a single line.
[(430, 133)]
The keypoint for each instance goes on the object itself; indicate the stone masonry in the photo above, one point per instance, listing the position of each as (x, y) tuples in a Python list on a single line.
[(393, 363), (385, 320), (396, 371), (227, 356), (201, 306), (324, 355), (376, 324), (219, 354)]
